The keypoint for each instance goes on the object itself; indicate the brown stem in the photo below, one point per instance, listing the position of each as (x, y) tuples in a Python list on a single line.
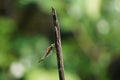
[(58, 46)]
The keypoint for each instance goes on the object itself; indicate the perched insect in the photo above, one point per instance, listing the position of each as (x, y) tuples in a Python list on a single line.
[(46, 54)]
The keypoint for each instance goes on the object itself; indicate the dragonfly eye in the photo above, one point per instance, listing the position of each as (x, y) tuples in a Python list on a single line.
[(52, 45)]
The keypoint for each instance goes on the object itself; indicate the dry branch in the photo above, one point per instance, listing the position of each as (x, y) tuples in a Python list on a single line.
[(58, 46)]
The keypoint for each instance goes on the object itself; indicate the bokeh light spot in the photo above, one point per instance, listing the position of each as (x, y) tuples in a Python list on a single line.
[(103, 27)]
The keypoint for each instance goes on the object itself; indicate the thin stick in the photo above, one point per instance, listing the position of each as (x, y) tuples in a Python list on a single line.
[(58, 46)]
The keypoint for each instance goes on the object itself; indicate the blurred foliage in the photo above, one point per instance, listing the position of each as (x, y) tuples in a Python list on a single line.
[(89, 31)]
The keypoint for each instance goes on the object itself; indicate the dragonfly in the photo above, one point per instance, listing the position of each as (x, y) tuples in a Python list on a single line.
[(47, 52)]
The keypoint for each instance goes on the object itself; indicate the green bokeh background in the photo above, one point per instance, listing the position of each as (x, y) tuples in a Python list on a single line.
[(89, 31)]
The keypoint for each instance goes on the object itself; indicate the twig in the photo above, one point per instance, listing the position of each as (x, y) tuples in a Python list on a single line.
[(58, 46)]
